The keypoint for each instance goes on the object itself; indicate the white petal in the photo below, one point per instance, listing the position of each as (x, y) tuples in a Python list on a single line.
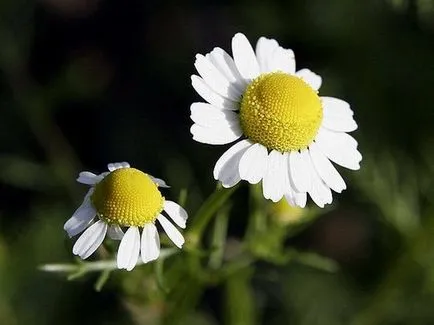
[(226, 168), (253, 163), (290, 198), (326, 170), (227, 67), (128, 252), (115, 232), (339, 138), (339, 147), (90, 240), (275, 182), (81, 218), (339, 124), (295, 198), (282, 60), (215, 79), (176, 212), (219, 134), (88, 178), (264, 50), (338, 115), (300, 199), (211, 96), (336, 107), (150, 245), (158, 181), (74, 225), (299, 171), (208, 115), (171, 231), (310, 78), (113, 166), (244, 57), (319, 192)]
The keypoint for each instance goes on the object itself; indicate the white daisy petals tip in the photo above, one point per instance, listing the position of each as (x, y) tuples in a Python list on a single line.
[(214, 78), (90, 240), (171, 231), (310, 77), (113, 166), (176, 213), (217, 134), (89, 178), (274, 184), (338, 115), (264, 49), (296, 199), (226, 169), (282, 60), (299, 170), (150, 243), (159, 181), (129, 247), (326, 170), (211, 96), (336, 106), (207, 115), (340, 148), (227, 67), (244, 57), (81, 218), (253, 163)]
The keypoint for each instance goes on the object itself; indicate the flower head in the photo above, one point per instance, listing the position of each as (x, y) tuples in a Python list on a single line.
[(290, 134), (124, 197)]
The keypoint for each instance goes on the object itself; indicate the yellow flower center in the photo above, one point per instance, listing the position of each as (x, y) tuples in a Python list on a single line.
[(281, 112), (127, 197)]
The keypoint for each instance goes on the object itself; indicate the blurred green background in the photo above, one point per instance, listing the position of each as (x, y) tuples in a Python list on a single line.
[(87, 82)]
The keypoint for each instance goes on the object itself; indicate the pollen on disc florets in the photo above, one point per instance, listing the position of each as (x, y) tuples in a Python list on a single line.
[(127, 197), (281, 112)]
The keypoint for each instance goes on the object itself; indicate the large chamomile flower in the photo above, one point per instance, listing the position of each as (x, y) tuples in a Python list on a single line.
[(289, 134), (124, 197)]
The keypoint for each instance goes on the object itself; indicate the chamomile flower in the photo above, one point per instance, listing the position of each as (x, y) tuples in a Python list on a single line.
[(289, 134), (124, 197)]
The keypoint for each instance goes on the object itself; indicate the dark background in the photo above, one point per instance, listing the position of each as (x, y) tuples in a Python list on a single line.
[(87, 82)]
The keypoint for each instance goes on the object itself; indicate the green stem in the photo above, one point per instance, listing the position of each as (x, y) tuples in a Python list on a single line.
[(257, 222), (239, 299), (207, 211), (219, 238), (85, 267), (102, 279)]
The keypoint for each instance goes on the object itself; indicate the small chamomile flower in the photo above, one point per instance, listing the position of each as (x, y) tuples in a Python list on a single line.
[(124, 197), (289, 134)]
